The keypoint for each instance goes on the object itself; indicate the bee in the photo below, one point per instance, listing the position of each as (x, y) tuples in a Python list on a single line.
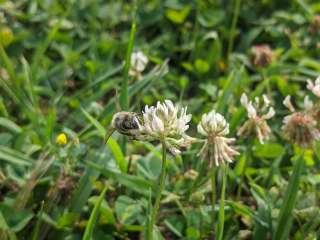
[(126, 123)]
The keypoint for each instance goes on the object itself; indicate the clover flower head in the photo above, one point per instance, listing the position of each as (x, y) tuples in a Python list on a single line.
[(139, 62), (261, 55), (314, 26), (300, 127), (314, 87), (216, 146), (256, 123), (167, 123)]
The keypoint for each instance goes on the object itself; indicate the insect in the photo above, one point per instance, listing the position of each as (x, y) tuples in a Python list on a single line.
[(126, 123)]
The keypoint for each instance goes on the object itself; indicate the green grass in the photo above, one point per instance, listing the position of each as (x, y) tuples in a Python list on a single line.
[(64, 68)]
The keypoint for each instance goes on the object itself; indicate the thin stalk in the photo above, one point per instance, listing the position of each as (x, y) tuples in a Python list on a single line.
[(221, 208), (247, 162), (213, 199), (233, 28), (158, 196), (7, 64), (200, 169), (200, 222), (266, 79), (124, 99), (36, 230)]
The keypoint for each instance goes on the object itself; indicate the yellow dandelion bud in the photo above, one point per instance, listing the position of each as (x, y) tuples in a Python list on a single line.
[(62, 139)]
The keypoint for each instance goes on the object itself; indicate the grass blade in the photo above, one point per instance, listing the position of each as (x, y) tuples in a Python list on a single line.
[(10, 125), (132, 182), (112, 144), (124, 98), (229, 87), (94, 215), (118, 155), (285, 216)]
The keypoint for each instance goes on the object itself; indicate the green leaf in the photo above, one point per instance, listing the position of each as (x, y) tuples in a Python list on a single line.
[(17, 221), (14, 157), (269, 150), (134, 183), (229, 87), (84, 188), (5, 232), (68, 219), (8, 124), (263, 219), (201, 66), (178, 16), (290, 197), (95, 123), (106, 212), (118, 155), (127, 210)]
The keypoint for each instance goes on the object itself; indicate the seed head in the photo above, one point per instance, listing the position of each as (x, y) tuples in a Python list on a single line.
[(314, 27), (300, 127), (262, 55)]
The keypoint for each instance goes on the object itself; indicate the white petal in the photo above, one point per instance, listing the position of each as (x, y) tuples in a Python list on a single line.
[(266, 100), (310, 85), (270, 113), (157, 124), (288, 104), (244, 100), (252, 113), (201, 130), (308, 104)]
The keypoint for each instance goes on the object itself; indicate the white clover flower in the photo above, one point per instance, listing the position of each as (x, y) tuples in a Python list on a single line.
[(139, 62), (314, 87), (256, 124), (300, 127), (167, 123), (216, 147)]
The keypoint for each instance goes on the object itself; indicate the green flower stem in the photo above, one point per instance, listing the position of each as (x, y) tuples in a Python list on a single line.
[(247, 162), (158, 196), (233, 28), (213, 198), (221, 208), (266, 79)]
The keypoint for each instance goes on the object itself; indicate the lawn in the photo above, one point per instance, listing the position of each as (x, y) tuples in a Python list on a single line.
[(159, 119)]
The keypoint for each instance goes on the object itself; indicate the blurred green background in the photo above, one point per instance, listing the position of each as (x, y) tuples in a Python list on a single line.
[(61, 69)]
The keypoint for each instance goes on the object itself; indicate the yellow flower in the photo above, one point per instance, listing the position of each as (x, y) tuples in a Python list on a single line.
[(6, 36), (62, 139)]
